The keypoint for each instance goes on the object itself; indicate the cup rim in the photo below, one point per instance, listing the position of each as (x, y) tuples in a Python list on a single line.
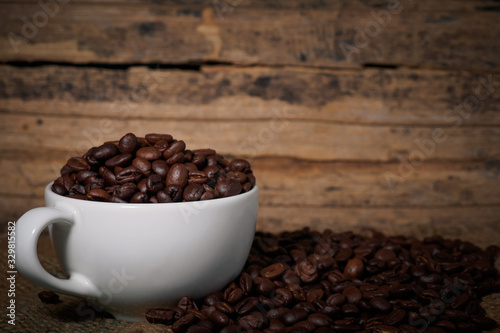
[(241, 196)]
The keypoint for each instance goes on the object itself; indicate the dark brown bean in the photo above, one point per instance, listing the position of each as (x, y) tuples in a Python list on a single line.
[(160, 167), (160, 316), (294, 315), (177, 175), (336, 300), (175, 147), (98, 195), (148, 153), (153, 138), (354, 268), (128, 143), (121, 160), (105, 152), (227, 187), (395, 317), (352, 294), (78, 164), (380, 304), (163, 197), (246, 283), (139, 197), (193, 192), (174, 192), (128, 175), (319, 319), (143, 165), (155, 184), (273, 271)]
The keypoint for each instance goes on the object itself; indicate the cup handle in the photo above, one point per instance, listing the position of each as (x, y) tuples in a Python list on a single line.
[(28, 230)]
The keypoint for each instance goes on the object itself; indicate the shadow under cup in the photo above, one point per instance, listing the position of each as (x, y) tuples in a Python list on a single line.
[(130, 257)]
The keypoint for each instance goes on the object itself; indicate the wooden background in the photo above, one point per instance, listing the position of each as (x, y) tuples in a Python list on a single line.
[(417, 102)]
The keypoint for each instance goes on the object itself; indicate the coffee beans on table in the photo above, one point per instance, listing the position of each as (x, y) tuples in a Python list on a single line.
[(153, 169), (307, 281)]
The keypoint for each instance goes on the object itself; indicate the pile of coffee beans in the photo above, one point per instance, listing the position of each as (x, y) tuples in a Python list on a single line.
[(153, 169), (307, 281)]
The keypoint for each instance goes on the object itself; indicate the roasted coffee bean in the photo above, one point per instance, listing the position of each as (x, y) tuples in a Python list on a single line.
[(177, 175), (380, 304), (108, 176), (344, 254), (176, 158), (385, 255), (239, 165), (182, 324), (153, 138), (224, 307), (105, 152), (231, 329), (293, 315), (143, 165), (250, 322), (174, 192), (395, 317), (265, 286), (82, 175), (154, 184), (273, 271), (352, 294), (48, 297), (227, 187), (246, 306), (306, 271), (233, 293), (354, 268), (219, 318), (319, 319), (59, 189), (246, 283), (121, 160), (337, 299), (98, 195), (128, 143), (160, 316), (78, 164), (314, 294), (193, 192), (160, 167), (128, 175), (163, 197), (139, 197), (282, 297), (148, 153), (142, 185), (175, 147)]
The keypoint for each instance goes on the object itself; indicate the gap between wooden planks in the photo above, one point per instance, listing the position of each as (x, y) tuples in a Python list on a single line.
[(451, 34)]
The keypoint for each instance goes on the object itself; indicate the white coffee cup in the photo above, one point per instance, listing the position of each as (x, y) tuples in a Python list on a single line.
[(130, 257)]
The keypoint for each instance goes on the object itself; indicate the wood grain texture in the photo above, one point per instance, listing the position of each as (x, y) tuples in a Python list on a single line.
[(293, 183), (306, 139), (374, 97), (448, 34)]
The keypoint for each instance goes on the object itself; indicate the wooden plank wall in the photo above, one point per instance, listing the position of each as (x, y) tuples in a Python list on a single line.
[(353, 113)]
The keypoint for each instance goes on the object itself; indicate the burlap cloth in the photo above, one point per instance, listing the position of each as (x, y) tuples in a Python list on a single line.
[(34, 316)]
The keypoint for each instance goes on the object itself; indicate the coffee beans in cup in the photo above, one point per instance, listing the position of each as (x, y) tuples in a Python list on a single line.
[(153, 169)]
